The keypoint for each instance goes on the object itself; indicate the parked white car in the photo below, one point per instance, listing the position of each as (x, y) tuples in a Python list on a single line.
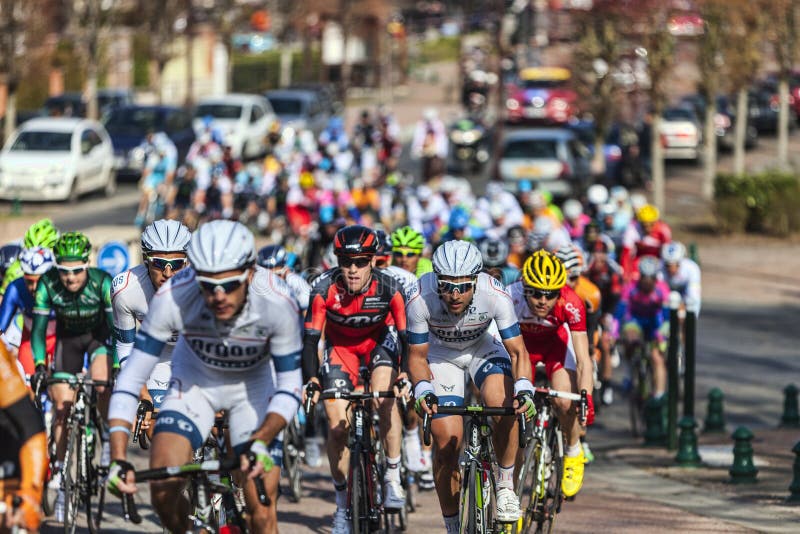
[(681, 134), (243, 121), (57, 159)]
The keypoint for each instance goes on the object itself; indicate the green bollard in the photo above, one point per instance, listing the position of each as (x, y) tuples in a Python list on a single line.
[(791, 416), (693, 253), (715, 418), (16, 207), (687, 443), (794, 487), (743, 471), (654, 434)]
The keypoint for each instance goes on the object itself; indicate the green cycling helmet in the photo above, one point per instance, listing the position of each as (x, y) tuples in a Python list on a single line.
[(407, 237), (72, 246), (42, 233)]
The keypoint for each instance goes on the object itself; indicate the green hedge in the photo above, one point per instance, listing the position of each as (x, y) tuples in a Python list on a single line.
[(767, 202), (441, 49)]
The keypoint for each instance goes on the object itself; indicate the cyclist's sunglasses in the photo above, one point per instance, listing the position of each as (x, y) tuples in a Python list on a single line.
[(63, 269), (539, 293), (447, 288), (176, 264), (226, 285), (362, 262), (405, 253)]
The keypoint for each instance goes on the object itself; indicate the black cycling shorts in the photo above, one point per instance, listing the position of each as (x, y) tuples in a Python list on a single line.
[(70, 350)]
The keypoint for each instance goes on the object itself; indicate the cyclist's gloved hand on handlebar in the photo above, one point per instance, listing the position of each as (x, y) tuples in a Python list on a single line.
[(313, 385), (423, 393), (589, 411), (262, 461), (523, 395), (114, 482), (401, 386)]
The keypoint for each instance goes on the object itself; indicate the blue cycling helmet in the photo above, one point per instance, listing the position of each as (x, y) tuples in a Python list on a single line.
[(459, 219), (272, 257)]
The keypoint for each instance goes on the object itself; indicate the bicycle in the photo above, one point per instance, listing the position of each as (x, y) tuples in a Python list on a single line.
[(640, 389), (365, 473), (478, 487), (202, 486), (81, 476), (539, 478), (293, 447)]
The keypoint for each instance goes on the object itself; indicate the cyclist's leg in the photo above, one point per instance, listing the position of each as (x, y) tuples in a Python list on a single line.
[(100, 369), (447, 431), (658, 348), (339, 373), (155, 390), (185, 420), (383, 361), (68, 359), (491, 373)]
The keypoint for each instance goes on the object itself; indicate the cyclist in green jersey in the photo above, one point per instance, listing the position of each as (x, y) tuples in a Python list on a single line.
[(80, 296), (407, 247), (42, 233)]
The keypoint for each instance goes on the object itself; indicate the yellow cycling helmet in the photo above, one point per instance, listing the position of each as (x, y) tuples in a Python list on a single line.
[(648, 214), (543, 270)]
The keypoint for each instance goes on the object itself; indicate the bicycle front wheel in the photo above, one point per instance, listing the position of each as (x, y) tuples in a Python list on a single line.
[(471, 518), (291, 460), (359, 499), (550, 504), (528, 486), (71, 478)]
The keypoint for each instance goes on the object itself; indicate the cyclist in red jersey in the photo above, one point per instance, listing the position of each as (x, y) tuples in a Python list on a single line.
[(362, 312), (643, 237), (552, 318)]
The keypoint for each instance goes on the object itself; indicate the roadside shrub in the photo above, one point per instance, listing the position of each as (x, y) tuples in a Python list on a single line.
[(767, 202)]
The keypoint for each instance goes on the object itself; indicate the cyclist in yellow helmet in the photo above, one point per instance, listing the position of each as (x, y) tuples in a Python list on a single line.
[(552, 318), (644, 237)]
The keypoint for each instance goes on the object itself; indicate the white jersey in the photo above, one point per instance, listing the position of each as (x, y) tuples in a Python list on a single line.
[(131, 292), (686, 282), (429, 320), (407, 279), (266, 328), (299, 288)]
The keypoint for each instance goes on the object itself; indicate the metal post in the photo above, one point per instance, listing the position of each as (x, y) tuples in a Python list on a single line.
[(673, 378), (690, 340)]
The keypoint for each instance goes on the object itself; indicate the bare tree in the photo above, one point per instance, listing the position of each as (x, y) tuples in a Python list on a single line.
[(598, 53), (782, 34), (13, 17), (742, 60), (709, 61), (159, 21)]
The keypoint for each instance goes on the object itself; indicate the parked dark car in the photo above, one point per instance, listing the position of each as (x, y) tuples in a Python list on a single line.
[(764, 106), (299, 109), (612, 152), (129, 125), (327, 94), (724, 120), (74, 105)]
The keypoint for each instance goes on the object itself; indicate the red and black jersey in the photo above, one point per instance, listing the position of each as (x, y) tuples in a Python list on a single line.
[(348, 318)]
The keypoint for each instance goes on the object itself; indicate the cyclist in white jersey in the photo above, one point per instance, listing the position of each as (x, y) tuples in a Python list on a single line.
[(164, 244), (682, 274), (233, 319), (460, 319), (275, 258)]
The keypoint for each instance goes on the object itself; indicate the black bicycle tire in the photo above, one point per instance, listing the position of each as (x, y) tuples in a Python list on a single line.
[(71, 486), (47, 497), (472, 502), (553, 496), (358, 497), (527, 485), (291, 462)]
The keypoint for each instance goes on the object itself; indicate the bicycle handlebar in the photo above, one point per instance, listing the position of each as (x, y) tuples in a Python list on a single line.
[(209, 466), (144, 407), (74, 381), (560, 394), (472, 410)]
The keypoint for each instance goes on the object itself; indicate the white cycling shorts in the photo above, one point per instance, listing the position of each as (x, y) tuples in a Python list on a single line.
[(158, 383), (196, 393), (486, 357)]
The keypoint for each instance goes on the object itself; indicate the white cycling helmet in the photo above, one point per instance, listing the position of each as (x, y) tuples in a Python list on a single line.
[(572, 209), (649, 266), (165, 235), (219, 246), (494, 252), (673, 252), (572, 258), (597, 194), (457, 258), (36, 260)]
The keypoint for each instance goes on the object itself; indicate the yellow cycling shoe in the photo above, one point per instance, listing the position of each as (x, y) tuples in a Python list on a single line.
[(573, 474)]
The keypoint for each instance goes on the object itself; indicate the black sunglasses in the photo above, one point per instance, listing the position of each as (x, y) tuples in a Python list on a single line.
[(358, 262), (539, 293), (176, 264)]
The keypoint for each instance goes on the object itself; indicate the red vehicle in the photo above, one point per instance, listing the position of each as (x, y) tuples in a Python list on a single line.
[(542, 95)]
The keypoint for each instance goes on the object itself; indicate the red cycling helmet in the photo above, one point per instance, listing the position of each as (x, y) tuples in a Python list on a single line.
[(355, 240)]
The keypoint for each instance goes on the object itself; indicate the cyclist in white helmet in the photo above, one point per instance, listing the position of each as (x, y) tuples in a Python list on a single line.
[(233, 318), (682, 274), (461, 319), (164, 244)]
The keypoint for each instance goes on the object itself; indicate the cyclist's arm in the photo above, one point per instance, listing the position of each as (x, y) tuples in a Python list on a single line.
[(108, 308), (314, 325), (8, 307), (41, 316), (418, 331), (124, 320), (285, 346), (693, 288), (397, 306), (506, 319), (583, 362)]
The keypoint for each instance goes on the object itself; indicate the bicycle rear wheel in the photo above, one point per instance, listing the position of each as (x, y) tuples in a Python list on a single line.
[(291, 460), (527, 487), (71, 478), (639, 391)]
